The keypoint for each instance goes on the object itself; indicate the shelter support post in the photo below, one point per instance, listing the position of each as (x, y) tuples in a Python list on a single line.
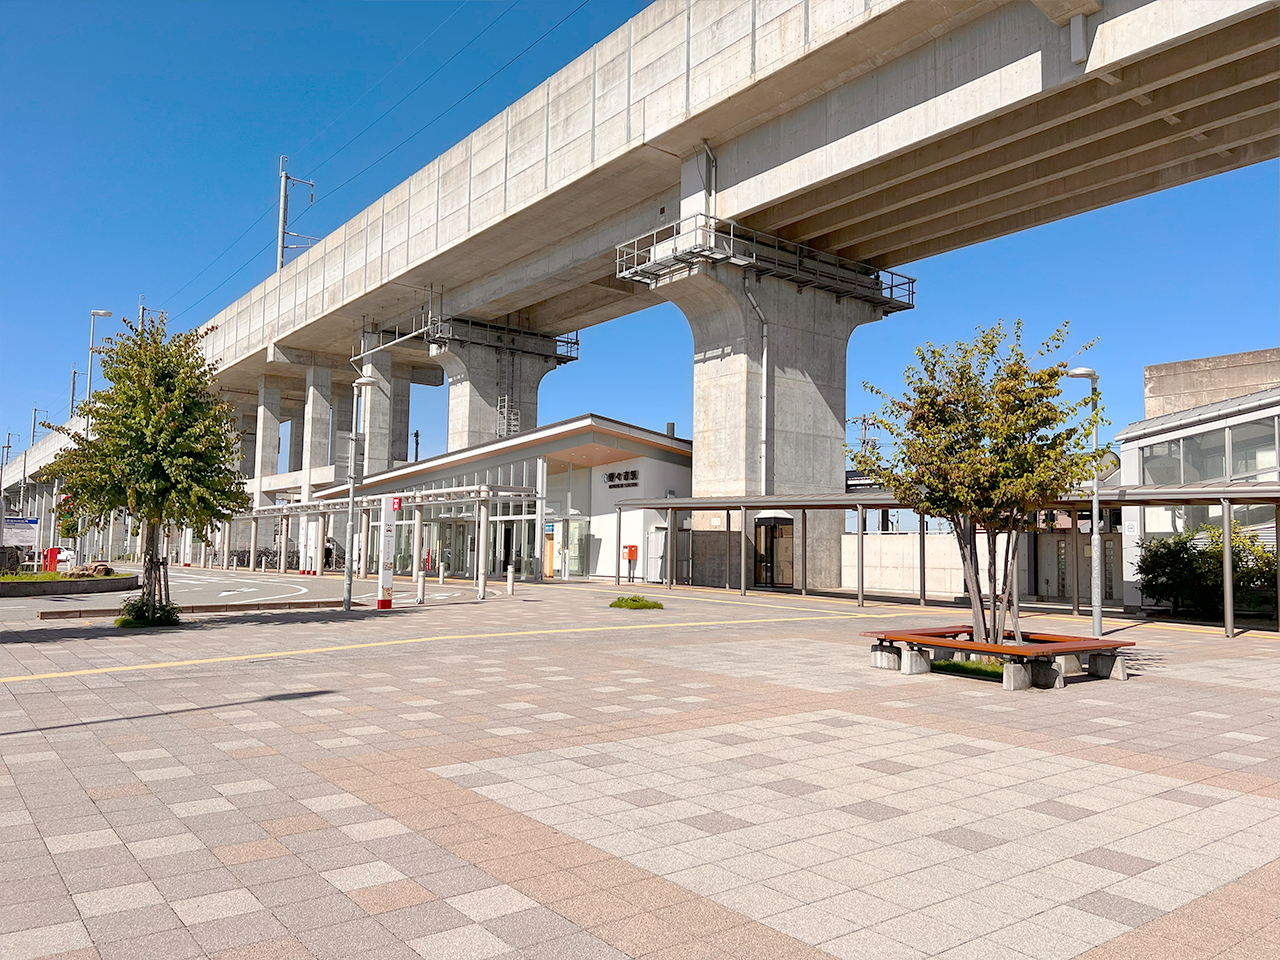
[(418, 515), (617, 552), (923, 531), (862, 560), (1228, 575), (728, 548), (1075, 561), (804, 554), (482, 544), (742, 553), (671, 546), (253, 544)]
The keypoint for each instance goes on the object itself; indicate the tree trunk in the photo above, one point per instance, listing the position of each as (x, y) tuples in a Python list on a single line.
[(991, 579), (150, 569), (969, 564), (1010, 571)]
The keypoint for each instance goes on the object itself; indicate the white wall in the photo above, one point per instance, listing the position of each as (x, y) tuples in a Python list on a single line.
[(893, 563), (656, 478)]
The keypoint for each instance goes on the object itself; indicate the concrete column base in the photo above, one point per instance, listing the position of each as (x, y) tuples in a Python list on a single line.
[(1106, 666), (1070, 665), (915, 661), (885, 656), (1047, 675), (1017, 676)]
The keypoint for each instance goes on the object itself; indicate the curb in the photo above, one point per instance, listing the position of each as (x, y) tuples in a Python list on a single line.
[(202, 608)]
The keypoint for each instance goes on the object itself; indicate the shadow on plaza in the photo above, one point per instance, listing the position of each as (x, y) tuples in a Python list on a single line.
[(271, 698)]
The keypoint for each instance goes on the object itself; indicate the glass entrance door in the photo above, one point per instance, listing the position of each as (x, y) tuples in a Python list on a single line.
[(774, 552)]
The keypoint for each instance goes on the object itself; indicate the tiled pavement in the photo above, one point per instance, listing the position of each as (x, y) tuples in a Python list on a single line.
[(541, 777)]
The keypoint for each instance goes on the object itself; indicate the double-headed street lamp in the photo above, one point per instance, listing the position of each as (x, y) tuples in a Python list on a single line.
[(353, 477), (88, 395), (1095, 532)]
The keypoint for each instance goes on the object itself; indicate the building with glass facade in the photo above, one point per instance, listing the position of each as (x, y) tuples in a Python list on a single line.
[(1229, 440), (556, 517)]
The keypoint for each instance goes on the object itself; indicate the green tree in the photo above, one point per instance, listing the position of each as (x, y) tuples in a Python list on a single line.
[(982, 437), (161, 445)]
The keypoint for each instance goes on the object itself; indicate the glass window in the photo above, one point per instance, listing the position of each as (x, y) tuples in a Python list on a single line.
[(1253, 449), (1160, 463), (1204, 456)]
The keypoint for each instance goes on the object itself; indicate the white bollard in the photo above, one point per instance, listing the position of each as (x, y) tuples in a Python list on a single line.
[(441, 568), (511, 580)]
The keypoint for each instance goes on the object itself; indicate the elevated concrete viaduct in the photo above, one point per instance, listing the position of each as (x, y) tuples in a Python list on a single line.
[(880, 131)]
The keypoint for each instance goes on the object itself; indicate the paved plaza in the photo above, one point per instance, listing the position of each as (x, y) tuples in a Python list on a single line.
[(542, 777)]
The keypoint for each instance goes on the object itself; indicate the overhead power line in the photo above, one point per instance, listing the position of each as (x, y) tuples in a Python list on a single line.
[(546, 33), (234, 243)]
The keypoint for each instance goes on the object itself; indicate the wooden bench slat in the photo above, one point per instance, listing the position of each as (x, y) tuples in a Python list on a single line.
[(1008, 649)]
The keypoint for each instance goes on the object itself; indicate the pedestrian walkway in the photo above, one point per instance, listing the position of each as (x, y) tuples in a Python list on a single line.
[(543, 777)]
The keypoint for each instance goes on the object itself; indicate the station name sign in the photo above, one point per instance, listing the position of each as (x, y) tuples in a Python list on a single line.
[(618, 479)]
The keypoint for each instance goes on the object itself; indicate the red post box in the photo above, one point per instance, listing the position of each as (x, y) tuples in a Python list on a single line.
[(51, 560), (631, 552)]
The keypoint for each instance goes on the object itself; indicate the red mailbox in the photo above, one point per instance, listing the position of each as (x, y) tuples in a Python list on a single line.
[(51, 560), (631, 552)]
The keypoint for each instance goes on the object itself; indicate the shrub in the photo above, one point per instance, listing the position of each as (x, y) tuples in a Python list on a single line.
[(1185, 571), (133, 613), (636, 602)]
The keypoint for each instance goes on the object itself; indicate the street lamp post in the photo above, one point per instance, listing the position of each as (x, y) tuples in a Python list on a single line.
[(1095, 532), (88, 390), (352, 478)]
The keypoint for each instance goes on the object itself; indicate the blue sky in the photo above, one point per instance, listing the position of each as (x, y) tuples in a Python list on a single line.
[(142, 139)]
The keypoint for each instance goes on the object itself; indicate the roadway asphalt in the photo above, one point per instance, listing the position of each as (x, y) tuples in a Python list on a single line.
[(192, 585)]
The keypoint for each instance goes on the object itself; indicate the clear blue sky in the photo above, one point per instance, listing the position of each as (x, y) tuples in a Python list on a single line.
[(141, 139)]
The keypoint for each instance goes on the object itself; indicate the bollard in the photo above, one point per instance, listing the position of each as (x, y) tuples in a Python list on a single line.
[(511, 580), (442, 573), (235, 562), (422, 587)]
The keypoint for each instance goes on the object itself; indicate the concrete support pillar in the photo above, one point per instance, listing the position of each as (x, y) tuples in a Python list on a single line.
[(340, 433), (479, 376), (399, 420), (768, 398), (247, 415), (315, 424), (364, 544), (295, 416), (267, 449), (376, 413)]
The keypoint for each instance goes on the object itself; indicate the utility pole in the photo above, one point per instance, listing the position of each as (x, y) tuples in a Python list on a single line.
[(71, 411), (281, 245), (88, 390)]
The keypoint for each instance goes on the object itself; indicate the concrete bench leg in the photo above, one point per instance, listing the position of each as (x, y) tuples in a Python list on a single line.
[(915, 661), (1047, 674), (885, 656), (1107, 666), (1069, 664), (1017, 676)]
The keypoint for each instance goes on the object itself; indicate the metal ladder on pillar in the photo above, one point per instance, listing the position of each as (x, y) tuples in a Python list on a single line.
[(508, 407)]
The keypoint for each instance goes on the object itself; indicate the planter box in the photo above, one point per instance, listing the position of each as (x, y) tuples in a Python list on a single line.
[(64, 588)]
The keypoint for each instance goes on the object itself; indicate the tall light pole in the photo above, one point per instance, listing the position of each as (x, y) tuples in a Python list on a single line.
[(88, 390), (1095, 532), (353, 477)]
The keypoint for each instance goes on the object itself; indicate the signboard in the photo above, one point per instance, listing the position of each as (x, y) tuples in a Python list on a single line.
[(549, 527), (618, 479), (20, 532), (387, 556), (395, 504)]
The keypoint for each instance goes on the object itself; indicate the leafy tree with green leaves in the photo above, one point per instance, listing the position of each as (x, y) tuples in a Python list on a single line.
[(982, 437), (160, 444)]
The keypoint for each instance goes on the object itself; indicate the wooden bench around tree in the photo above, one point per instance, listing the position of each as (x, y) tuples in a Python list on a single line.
[(1038, 660)]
